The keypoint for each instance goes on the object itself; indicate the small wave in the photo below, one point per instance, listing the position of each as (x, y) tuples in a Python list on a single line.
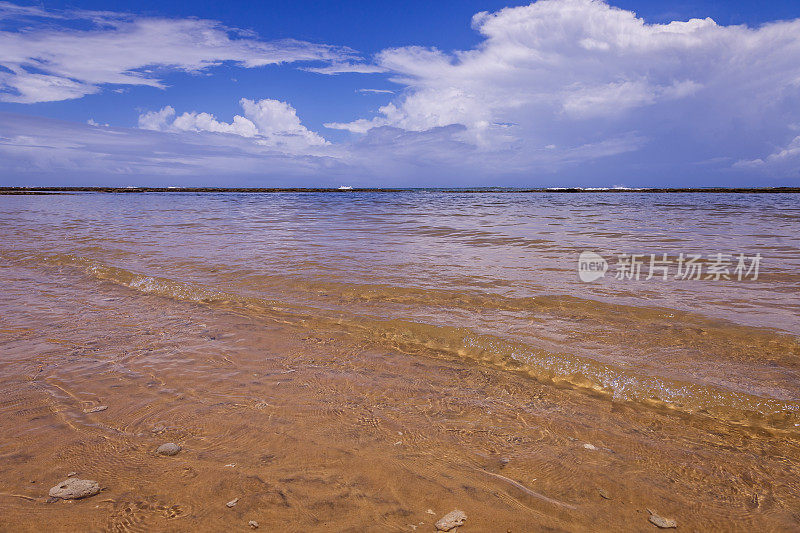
[(559, 369)]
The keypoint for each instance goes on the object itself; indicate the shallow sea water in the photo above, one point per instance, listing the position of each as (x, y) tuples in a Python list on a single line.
[(350, 361)]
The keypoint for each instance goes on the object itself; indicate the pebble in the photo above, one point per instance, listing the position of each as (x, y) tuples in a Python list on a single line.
[(74, 489), (661, 522), (170, 448), (232, 502), (96, 409), (590, 446), (451, 520), (253, 524), (603, 494), (72, 474)]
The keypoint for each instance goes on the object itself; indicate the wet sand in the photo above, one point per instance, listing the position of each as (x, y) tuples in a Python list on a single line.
[(314, 433)]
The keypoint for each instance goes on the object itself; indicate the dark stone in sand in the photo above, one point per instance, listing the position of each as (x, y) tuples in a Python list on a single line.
[(74, 489), (661, 522), (170, 448), (451, 520), (603, 494)]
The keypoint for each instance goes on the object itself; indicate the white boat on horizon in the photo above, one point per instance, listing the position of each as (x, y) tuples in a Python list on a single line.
[(345, 188)]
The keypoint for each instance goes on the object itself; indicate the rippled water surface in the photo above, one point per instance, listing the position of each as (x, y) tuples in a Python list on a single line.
[(361, 358)]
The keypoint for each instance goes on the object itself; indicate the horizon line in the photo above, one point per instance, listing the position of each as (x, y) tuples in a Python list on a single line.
[(131, 189)]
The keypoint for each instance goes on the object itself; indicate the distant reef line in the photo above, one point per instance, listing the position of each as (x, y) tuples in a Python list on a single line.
[(129, 190)]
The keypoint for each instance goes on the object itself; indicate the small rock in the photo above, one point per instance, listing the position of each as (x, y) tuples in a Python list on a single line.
[(72, 474), (232, 502), (661, 522), (253, 524), (451, 520), (74, 489), (158, 429), (170, 448), (96, 409), (590, 446), (603, 494), (430, 511)]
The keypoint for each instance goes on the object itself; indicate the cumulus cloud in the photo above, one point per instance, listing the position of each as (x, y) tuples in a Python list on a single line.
[(270, 122), (425, 109), (156, 120), (51, 60), (578, 72)]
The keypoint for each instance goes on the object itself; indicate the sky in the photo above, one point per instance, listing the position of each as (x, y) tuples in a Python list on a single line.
[(554, 93)]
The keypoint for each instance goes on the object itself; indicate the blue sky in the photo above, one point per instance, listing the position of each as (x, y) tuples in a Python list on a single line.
[(554, 93)]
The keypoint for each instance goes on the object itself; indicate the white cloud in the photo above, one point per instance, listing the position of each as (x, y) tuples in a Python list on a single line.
[(206, 122), (425, 109), (579, 72), (278, 122), (374, 91), (156, 120), (37, 150), (53, 61), (788, 155), (9, 11), (346, 67), (270, 122), (43, 151)]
